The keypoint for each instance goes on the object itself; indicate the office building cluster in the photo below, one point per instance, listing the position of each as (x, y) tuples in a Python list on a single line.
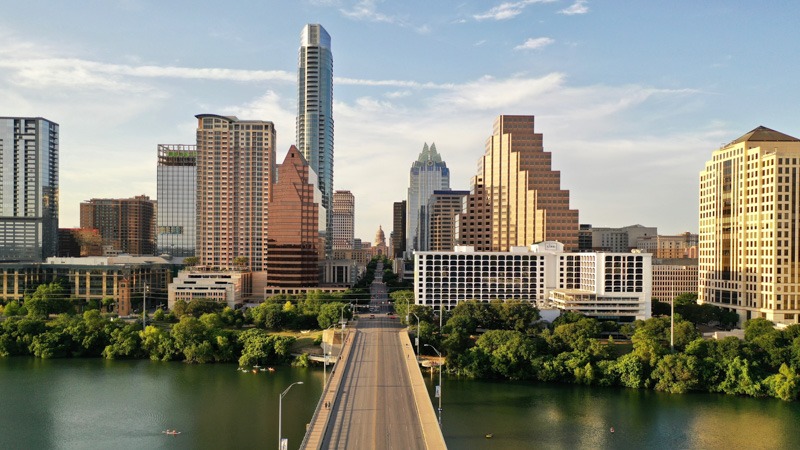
[(248, 226)]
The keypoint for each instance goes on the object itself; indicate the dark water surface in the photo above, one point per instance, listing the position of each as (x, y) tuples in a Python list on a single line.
[(552, 416), (99, 404)]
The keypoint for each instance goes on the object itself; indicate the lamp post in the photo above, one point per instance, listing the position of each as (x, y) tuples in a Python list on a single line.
[(280, 416), (325, 363), (417, 339), (439, 390), (342, 317), (144, 306)]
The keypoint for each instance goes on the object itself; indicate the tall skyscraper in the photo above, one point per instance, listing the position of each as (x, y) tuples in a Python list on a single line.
[(293, 225), (315, 115), (176, 184), (398, 229), (524, 195), (343, 220), (126, 225), (749, 243), (28, 188), (428, 173), (235, 169), (443, 206)]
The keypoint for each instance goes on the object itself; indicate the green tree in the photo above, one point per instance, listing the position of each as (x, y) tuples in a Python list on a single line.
[(125, 342), (330, 313), (158, 343), (518, 315), (785, 384), (675, 374), (402, 300)]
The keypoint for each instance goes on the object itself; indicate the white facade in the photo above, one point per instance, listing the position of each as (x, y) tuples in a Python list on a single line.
[(604, 285), (227, 287)]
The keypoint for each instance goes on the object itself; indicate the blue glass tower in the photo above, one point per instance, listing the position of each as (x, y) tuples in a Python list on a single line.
[(315, 115)]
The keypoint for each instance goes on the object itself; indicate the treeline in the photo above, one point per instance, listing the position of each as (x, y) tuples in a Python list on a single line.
[(199, 331), (503, 340), (205, 339)]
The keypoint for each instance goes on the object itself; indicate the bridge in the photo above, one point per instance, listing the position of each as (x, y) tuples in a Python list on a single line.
[(376, 397)]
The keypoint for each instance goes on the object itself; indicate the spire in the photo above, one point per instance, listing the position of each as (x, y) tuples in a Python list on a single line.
[(435, 156), (425, 155)]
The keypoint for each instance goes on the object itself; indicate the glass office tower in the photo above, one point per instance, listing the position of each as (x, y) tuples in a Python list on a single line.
[(315, 115), (177, 200), (28, 188)]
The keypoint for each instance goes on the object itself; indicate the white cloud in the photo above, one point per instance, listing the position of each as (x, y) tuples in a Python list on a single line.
[(507, 10), (579, 7), (535, 43), (366, 10)]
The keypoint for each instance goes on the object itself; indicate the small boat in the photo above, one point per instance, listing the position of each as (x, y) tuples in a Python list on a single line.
[(255, 370), (489, 436), (263, 369), (270, 369), (612, 429), (256, 366), (243, 369), (171, 432)]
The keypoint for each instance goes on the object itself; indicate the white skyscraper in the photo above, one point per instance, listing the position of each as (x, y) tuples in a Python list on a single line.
[(428, 173)]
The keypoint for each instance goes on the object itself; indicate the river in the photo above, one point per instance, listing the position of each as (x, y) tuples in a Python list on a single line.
[(100, 404)]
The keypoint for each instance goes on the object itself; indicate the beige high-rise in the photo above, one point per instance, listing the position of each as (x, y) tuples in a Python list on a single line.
[(523, 193), (235, 166), (749, 241)]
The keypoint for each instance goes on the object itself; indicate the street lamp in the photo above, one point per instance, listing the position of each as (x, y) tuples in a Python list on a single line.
[(417, 339), (342, 318), (325, 363), (280, 416), (144, 306), (438, 388)]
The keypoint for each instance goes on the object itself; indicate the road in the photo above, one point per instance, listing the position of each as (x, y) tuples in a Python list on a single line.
[(375, 408)]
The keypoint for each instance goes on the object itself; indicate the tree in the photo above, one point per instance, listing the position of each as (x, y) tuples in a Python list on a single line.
[(785, 384), (757, 327), (675, 374), (518, 315), (329, 314), (158, 343), (402, 300), (190, 261), (687, 298)]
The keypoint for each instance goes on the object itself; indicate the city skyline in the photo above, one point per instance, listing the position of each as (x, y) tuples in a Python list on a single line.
[(646, 103)]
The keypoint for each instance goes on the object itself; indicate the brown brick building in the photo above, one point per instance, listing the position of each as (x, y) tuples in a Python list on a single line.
[(126, 225)]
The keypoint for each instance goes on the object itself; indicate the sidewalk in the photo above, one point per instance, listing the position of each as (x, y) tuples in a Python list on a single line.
[(427, 415), (315, 430)]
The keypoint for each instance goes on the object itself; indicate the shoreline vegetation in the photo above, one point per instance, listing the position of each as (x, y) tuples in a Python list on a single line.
[(498, 340)]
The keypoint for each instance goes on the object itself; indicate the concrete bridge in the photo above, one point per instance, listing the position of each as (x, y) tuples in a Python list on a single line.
[(376, 397)]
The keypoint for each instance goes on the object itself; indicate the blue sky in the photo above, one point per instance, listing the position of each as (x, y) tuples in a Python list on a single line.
[(632, 97)]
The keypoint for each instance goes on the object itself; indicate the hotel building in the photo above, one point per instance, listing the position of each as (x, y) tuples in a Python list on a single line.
[(749, 244), (28, 188), (608, 286)]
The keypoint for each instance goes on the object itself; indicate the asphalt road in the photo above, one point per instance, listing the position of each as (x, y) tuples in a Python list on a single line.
[(375, 408)]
